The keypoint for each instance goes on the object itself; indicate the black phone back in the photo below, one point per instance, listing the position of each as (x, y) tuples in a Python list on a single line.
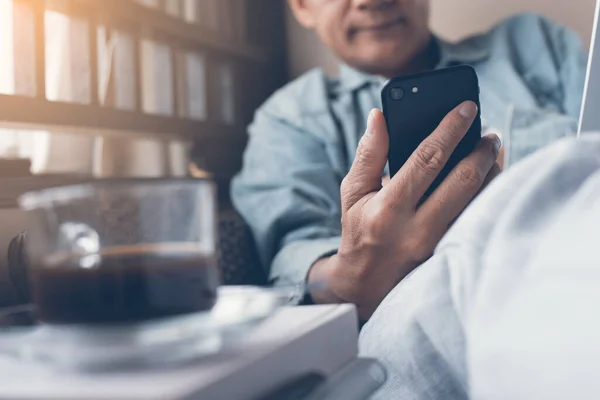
[(414, 105)]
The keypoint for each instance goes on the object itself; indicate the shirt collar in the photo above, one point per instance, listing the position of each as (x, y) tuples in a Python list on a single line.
[(465, 52)]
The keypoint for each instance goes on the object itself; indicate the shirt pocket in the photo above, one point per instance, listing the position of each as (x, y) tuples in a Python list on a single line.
[(544, 83)]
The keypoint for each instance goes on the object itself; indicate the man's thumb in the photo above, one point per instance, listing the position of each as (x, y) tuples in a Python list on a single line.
[(371, 156)]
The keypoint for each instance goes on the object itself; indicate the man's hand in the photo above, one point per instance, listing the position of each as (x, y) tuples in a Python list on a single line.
[(500, 160), (386, 232)]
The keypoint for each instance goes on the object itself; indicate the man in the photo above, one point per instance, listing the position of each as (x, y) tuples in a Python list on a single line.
[(357, 237)]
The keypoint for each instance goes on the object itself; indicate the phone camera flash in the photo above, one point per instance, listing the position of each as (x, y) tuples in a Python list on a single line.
[(415, 90)]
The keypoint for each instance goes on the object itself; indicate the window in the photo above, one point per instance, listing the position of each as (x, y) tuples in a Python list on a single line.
[(195, 68), (85, 85), (16, 44)]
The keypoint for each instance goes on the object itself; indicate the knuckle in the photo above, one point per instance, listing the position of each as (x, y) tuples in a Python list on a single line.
[(419, 248), (490, 148), (364, 153), (430, 157), (375, 222), (349, 186), (414, 248), (422, 254), (455, 125), (345, 187), (350, 194), (470, 176), (362, 273), (346, 220)]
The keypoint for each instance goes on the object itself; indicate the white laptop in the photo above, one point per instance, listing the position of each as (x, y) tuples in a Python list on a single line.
[(590, 111)]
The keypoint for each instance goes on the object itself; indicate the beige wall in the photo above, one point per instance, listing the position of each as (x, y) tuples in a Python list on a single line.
[(452, 19)]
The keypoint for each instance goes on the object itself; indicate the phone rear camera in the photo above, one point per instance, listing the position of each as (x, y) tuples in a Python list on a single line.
[(397, 93)]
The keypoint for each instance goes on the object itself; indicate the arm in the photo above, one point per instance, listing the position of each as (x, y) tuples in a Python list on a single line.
[(551, 60), (568, 52), (552, 63), (289, 193), (384, 233)]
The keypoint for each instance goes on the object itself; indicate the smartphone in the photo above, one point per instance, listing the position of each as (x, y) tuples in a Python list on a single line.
[(414, 105)]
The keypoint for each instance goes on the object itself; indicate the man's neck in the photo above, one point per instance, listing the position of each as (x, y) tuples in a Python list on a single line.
[(426, 60)]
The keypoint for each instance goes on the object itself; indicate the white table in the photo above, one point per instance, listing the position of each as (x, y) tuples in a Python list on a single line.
[(293, 342)]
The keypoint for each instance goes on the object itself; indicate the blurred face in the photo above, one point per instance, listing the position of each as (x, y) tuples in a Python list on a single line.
[(384, 37)]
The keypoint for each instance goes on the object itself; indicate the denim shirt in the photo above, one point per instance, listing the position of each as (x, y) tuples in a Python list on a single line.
[(303, 140)]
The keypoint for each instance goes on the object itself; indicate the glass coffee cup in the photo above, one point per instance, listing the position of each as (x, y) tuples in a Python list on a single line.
[(122, 252)]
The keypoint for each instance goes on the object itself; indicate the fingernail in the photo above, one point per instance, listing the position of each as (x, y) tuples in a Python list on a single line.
[(370, 118), (468, 110), (497, 140)]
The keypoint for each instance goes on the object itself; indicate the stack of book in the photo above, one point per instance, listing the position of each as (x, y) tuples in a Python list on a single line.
[(297, 345), (226, 18)]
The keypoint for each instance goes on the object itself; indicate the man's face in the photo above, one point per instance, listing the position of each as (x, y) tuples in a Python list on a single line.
[(377, 36)]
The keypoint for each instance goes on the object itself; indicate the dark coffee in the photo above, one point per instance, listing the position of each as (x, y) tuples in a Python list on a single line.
[(124, 285)]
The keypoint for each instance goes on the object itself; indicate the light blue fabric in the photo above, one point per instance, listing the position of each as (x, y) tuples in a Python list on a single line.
[(303, 139), (507, 308)]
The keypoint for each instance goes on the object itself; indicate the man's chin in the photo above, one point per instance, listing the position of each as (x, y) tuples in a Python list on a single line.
[(383, 65)]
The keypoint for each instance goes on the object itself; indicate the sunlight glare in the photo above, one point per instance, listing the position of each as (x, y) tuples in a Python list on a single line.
[(7, 66)]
